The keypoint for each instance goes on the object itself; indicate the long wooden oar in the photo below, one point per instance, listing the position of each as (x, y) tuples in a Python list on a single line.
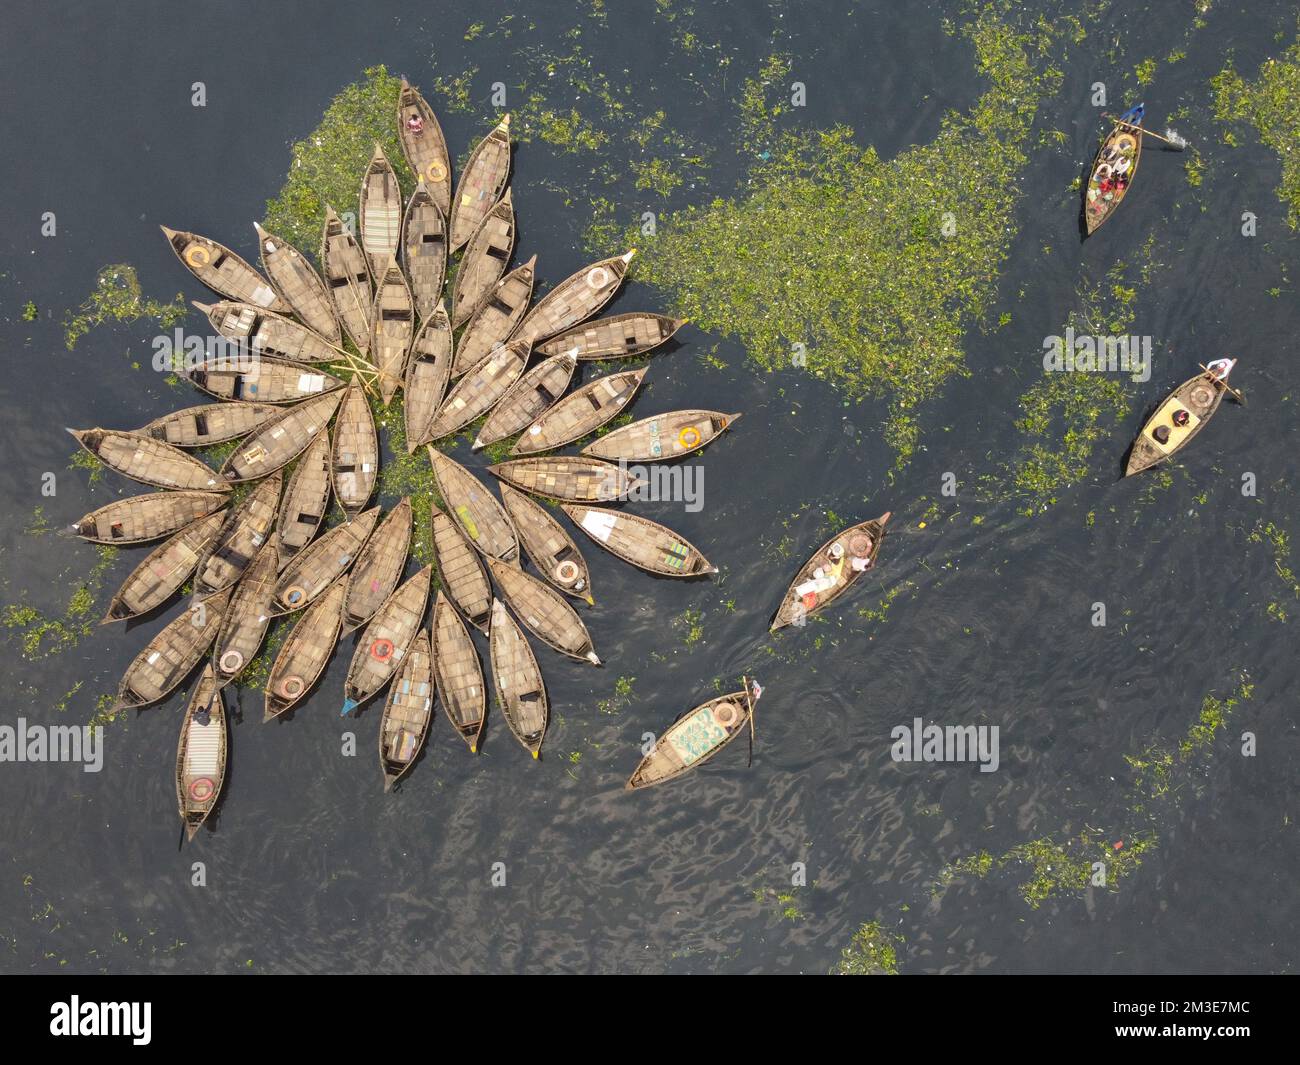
[(1147, 133), (1236, 393)]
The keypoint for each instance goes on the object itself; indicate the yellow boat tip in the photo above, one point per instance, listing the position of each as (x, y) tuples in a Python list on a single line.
[(473, 750), (921, 525), (536, 754)]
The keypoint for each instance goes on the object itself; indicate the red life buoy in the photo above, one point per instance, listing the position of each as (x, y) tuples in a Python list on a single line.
[(382, 650), (202, 789)]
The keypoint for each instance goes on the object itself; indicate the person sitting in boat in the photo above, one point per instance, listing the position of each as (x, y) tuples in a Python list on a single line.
[(1122, 165), (1105, 184), (1161, 433), (415, 123), (1181, 417), (1121, 183), (1220, 368)]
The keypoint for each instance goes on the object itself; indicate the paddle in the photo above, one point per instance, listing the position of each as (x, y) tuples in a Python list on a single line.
[(1235, 393), (1176, 142), (751, 701)]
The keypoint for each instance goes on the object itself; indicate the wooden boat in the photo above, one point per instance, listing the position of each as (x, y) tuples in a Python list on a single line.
[(319, 565), (201, 754), (244, 627), (393, 325), (149, 461), (461, 571), (223, 271), (379, 567), (306, 651), (278, 443), (661, 436), (210, 423), (547, 545), (347, 276), (640, 542), (427, 375), (306, 498), (243, 535), (496, 318), (569, 477), (424, 145), (831, 572), (261, 380), (575, 299), (298, 284), (164, 570), (385, 640), (481, 183), (380, 213), (544, 611), (521, 694), (354, 452), (459, 675), (696, 736), (1118, 156), (484, 261), (538, 389), (474, 509), (424, 250), (267, 333), (408, 711), (171, 655), (1200, 397), (581, 413), (139, 519), (621, 336), (480, 390)]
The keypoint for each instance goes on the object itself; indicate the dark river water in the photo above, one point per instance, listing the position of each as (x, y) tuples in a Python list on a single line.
[(309, 866)]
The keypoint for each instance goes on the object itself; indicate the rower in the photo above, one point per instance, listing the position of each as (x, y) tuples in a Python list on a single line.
[(415, 123), (1181, 417), (1220, 368)]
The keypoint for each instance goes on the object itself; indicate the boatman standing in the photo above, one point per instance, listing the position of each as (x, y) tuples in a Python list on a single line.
[(1220, 368)]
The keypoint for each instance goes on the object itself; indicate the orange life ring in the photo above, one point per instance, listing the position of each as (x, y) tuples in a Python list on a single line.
[(382, 649), (196, 255), (566, 572), (1126, 142), (202, 789), (597, 277), (1201, 396), (294, 595), (726, 714), (231, 662), (435, 171), (292, 686), (689, 437)]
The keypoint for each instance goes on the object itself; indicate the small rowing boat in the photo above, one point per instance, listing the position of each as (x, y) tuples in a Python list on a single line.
[(481, 183), (521, 693), (697, 736), (201, 754), (261, 380), (385, 640), (306, 651), (461, 571), (424, 145), (223, 271), (424, 250), (162, 572), (640, 542), (380, 213), (528, 398), (569, 477), (354, 452), (378, 567), (347, 275), (496, 319), (319, 565), (575, 299), (547, 545), (393, 325), (832, 571), (408, 712), (148, 461), (171, 655), (480, 390), (427, 375), (544, 611), (621, 336), (581, 413), (210, 423), (245, 531), (661, 436), (1113, 169), (298, 284), (484, 261), (474, 508), (306, 498), (244, 627), (1179, 418), (278, 443), (267, 333), (139, 519), (460, 676)]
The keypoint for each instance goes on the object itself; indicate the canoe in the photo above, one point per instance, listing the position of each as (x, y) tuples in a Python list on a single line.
[(568, 477), (243, 535), (164, 570), (832, 571), (392, 322), (547, 545), (298, 284), (378, 567), (424, 145), (306, 498), (695, 737), (544, 612), (496, 318), (139, 519), (223, 271), (380, 213), (484, 261), (640, 542), (246, 529), (385, 640), (306, 651), (620, 336), (480, 390), (427, 375), (408, 711), (481, 183), (201, 754), (1200, 396), (261, 380), (459, 674), (461, 571), (347, 276), (575, 299), (267, 333), (661, 436), (474, 508), (354, 452), (1119, 154), (244, 627), (149, 461), (171, 655), (424, 250), (210, 423), (520, 691), (278, 443), (538, 389), (319, 565), (581, 413)]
